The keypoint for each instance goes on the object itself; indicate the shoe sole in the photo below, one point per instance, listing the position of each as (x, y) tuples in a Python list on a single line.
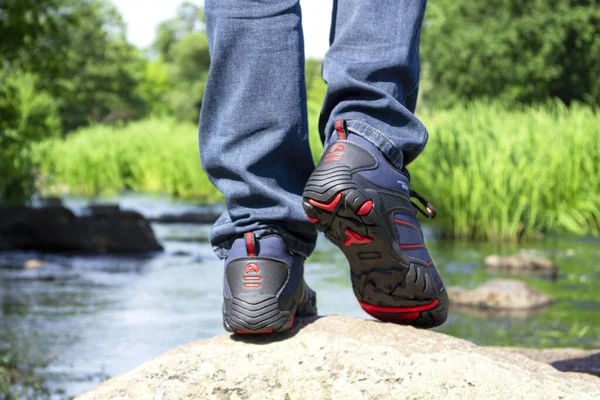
[(261, 314), (357, 216)]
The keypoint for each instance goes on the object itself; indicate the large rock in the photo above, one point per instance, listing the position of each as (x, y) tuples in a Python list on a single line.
[(499, 294), (102, 230), (523, 263), (344, 358)]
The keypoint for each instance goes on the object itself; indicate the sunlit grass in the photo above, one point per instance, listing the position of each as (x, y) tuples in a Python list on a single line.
[(158, 155), (493, 173)]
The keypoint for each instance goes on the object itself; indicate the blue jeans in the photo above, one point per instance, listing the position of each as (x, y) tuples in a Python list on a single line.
[(253, 123)]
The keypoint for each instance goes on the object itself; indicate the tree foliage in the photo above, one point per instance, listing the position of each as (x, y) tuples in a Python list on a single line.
[(512, 50), (182, 45)]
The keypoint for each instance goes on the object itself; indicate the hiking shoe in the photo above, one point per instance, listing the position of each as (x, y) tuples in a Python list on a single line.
[(264, 288), (363, 206)]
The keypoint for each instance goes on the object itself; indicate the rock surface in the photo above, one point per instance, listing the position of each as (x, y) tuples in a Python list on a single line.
[(344, 358), (102, 230), (500, 294), (522, 264)]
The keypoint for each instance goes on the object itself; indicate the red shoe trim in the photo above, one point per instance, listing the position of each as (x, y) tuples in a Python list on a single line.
[(249, 244), (337, 147), (365, 208), (399, 221), (340, 129), (354, 238), (253, 333), (430, 263), (252, 278), (291, 323), (313, 219), (405, 318), (370, 308), (412, 246), (327, 206), (252, 285)]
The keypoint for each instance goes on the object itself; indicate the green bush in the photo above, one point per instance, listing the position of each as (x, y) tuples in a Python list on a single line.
[(512, 50), (27, 115)]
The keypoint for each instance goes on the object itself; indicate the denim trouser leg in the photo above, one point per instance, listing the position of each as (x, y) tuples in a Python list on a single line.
[(372, 73), (253, 124)]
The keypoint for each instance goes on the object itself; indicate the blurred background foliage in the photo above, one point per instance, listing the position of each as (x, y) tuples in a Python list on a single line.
[(503, 82)]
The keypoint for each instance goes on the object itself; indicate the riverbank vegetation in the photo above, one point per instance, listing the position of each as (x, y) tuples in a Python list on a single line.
[(493, 172)]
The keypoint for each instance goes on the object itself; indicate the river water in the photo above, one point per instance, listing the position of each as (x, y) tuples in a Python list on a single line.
[(90, 318)]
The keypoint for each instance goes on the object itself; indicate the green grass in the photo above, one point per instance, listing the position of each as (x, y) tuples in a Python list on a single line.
[(158, 155), (500, 173), (492, 172)]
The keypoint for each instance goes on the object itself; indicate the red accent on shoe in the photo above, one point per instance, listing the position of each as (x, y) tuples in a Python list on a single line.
[(252, 285), (365, 208), (252, 268), (291, 323), (252, 278), (253, 333), (405, 319), (327, 206), (340, 128), (372, 309), (249, 244), (337, 147), (430, 263), (412, 246), (313, 219), (399, 221), (332, 159), (354, 238)]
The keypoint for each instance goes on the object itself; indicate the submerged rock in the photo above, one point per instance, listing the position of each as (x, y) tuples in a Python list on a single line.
[(499, 294), (344, 358), (522, 264), (102, 230), (33, 264), (566, 360)]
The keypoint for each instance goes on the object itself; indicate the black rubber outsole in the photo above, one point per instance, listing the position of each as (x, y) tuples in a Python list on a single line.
[(357, 216), (262, 314)]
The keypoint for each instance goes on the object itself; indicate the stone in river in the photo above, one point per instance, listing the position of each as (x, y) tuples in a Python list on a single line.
[(500, 294), (522, 264), (33, 264), (102, 230)]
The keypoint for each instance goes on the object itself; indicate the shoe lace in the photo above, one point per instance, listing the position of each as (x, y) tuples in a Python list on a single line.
[(429, 211)]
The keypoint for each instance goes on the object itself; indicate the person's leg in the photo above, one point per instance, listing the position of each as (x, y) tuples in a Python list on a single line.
[(254, 148), (253, 124), (372, 74), (359, 194)]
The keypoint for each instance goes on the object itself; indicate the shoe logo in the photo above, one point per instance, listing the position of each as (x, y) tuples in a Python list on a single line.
[(252, 268), (336, 153), (252, 282)]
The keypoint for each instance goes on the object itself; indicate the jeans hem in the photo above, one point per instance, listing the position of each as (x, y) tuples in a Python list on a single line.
[(380, 140)]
